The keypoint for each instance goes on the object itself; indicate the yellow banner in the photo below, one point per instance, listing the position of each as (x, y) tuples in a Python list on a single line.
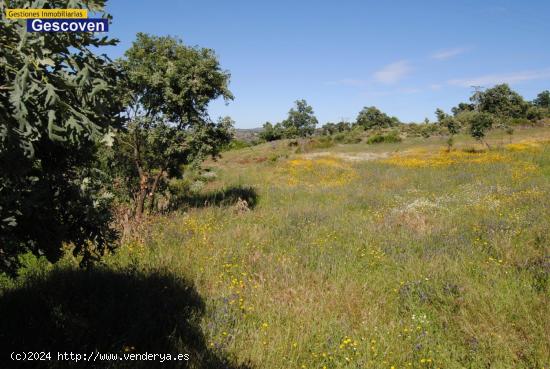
[(46, 13)]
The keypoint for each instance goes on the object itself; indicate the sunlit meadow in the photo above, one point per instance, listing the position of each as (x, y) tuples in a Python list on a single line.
[(411, 258)]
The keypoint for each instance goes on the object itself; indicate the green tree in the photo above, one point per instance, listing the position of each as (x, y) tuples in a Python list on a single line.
[(440, 115), (501, 101), (343, 126), (169, 86), (461, 108), (271, 132), (543, 100), (480, 123), (57, 102), (449, 122), (372, 117), (301, 121), (329, 129)]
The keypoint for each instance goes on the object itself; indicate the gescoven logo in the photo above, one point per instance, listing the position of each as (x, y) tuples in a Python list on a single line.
[(68, 25)]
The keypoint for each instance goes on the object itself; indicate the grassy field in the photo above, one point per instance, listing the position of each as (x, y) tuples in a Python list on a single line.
[(413, 257), (369, 256)]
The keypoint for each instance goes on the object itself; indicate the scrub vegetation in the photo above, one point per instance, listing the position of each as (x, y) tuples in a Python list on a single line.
[(132, 222)]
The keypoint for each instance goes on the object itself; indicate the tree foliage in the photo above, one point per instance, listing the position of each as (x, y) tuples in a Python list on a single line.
[(440, 115), (301, 121), (501, 101), (461, 108), (543, 100), (332, 128), (480, 123), (372, 117), (56, 104), (449, 122), (271, 132), (168, 88)]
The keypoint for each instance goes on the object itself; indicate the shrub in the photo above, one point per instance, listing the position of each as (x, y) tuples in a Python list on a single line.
[(237, 144), (427, 130), (323, 142), (520, 122), (535, 113), (391, 137), (350, 137)]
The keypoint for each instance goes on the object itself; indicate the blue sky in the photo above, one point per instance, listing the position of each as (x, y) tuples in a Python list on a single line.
[(406, 57)]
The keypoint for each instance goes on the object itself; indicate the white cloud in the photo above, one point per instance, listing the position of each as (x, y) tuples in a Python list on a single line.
[(493, 79), (448, 53), (394, 72), (435, 86)]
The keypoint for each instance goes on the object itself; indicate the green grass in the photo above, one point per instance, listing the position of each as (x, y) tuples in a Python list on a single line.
[(437, 266), (424, 260)]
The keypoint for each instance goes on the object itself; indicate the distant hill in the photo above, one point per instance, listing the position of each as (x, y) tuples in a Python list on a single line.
[(247, 134)]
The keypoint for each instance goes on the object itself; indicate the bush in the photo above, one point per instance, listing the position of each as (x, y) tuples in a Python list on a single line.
[(520, 122), (350, 137), (237, 144), (421, 130), (391, 137), (323, 142), (427, 130)]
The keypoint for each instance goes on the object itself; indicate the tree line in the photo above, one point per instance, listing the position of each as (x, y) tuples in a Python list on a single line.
[(497, 106)]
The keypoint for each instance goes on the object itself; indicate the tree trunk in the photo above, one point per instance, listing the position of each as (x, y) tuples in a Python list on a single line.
[(154, 190), (140, 201), (143, 177)]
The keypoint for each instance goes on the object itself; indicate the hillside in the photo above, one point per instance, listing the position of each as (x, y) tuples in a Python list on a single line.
[(378, 256)]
